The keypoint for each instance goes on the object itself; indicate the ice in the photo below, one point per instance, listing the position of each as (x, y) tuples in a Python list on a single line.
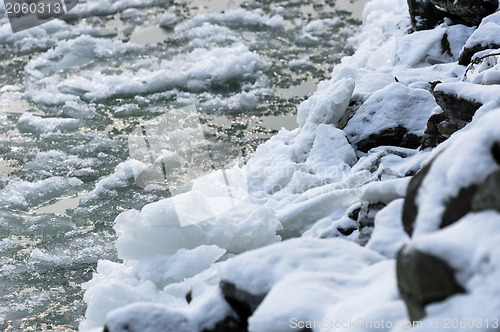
[(115, 285), (19, 194), (38, 125), (183, 71), (235, 17), (124, 172), (157, 229)]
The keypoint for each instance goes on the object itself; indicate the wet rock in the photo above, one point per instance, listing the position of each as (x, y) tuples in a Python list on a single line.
[(242, 302), (398, 136), (423, 279)]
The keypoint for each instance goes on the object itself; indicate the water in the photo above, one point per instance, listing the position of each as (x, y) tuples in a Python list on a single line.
[(54, 225)]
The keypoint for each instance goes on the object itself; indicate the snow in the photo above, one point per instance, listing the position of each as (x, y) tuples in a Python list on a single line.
[(484, 35), (260, 270), (38, 125)]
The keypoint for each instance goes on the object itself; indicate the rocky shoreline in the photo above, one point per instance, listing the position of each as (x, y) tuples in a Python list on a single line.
[(382, 207)]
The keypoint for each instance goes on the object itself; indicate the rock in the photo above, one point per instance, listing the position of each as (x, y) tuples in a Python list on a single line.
[(475, 197), (487, 195), (241, 301), (395, 115), (423, 279), (458, 206), (432, 135), (424, 15), (366, 216), (467, 53), (483, 38), (410, 208), (468, 12), (459, 109), (495, 151), (398, 136), (229, 324)]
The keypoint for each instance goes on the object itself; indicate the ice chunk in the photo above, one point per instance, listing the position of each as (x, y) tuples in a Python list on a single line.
[(38, 125)]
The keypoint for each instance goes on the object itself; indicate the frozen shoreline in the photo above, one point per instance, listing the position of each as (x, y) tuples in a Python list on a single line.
[(335, 184)]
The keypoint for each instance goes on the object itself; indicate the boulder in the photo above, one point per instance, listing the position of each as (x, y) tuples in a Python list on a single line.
[(468, 12), (426, 14), (242, 302), (397, 136), (487, 195), (395, 115), (423, 279), (434, 133), (459, 108), (410, 207), (483, 38)]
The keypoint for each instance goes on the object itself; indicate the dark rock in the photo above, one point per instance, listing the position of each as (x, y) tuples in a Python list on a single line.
[(367, 213), (446, 128), (241, 301), (423, 279), (459, 109), (476, 197), (346, 231), (487, 195), (410, 208), (468, 12), (495, 150), (467, 53), (230, 324), (458, 206), (398, 136), (364, 236), (424, 15), (432, 135)]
